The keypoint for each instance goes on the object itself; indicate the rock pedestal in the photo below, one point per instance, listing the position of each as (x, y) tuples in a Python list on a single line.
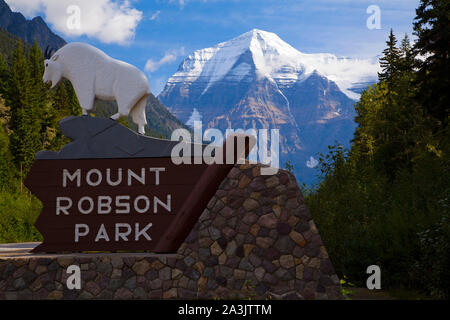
[(256, 239)]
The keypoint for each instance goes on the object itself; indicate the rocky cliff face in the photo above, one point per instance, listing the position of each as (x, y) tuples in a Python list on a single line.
[(259, 81), (28, 30)]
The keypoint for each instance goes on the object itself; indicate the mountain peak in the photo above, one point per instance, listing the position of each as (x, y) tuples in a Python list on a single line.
[(28, 30), (258, 54), (257, 39), (257, 80), (257, 33), (255, 52), (38, 20)]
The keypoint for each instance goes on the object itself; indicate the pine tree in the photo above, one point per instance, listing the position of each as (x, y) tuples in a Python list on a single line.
[(25, 138), (36, 60), (389, 61), (61, 100), (407, 56), (40, 107), (3, 74), (432, 27), (74, 105), (6, 172), (19, 77), (389, 116), (36, 65)]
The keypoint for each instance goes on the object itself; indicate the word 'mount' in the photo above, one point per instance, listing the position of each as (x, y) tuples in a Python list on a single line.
[(94, 177)]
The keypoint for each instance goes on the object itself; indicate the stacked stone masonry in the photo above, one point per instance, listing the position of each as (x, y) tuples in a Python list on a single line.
[(256, 239)]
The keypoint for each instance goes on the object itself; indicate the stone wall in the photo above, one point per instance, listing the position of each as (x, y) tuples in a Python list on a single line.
[(256, 239)]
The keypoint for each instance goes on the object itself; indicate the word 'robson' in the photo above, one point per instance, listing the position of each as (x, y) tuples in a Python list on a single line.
[(122, 204)]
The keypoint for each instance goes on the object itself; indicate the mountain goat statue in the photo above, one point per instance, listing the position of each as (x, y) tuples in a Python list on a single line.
[(94, 74)]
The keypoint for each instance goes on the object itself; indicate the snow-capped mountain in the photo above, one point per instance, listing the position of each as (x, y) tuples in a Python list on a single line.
[(274, 59), (257, 80)]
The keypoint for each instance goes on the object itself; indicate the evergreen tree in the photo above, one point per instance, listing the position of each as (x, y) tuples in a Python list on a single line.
[(40, 107), (74, 105), (58, 109), (61, 100), (389, 61), (407, 56), (64, 103), (432, 27), (6, 172), (36, 63), (25, 138), (3, 74)]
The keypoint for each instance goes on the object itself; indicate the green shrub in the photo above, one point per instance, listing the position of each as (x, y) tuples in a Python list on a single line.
[(432, 265), (18, 213)]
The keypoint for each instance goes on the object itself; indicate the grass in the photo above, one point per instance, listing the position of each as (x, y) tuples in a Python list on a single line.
[(407, 294), (18, 213), (352, 292)]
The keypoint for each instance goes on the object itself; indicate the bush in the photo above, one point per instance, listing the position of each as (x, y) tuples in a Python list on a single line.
[(18, 213), (432, 266)]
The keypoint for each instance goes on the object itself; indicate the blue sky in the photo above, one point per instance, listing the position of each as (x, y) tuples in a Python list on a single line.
[(160, 33)]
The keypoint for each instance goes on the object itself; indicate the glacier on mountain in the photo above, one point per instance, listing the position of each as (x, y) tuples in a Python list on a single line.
[(258, 81), (274, 59)]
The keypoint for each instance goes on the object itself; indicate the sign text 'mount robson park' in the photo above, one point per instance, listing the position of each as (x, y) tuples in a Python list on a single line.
[(119, 204), (113, 190), (109, 204)]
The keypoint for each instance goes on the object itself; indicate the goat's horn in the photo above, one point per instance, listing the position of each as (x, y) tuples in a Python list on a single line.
[(46, 56)]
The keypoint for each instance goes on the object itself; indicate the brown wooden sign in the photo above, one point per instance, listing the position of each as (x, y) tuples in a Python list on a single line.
[(121, 204)]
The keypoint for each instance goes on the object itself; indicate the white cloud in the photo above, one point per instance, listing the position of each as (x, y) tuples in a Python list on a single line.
[(110, 21), (157, 84), (155, 15), (345, 72), (180, 2), (312, 163), (171, 56), (26, 7)]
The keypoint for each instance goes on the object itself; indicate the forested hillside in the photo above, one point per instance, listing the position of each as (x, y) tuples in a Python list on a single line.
[(386, 200), (160, 122), (7, 43)]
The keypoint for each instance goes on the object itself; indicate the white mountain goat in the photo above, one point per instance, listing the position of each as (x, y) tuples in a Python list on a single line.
[(94, 74)]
